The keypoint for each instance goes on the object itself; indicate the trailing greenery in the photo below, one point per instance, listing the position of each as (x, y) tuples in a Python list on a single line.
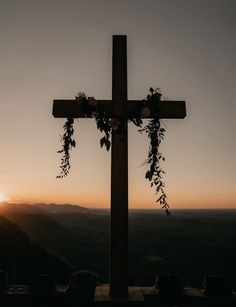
[(107, 123), (154, 173), (68, 144)]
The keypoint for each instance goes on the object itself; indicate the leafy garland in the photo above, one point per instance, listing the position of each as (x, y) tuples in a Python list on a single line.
[(153, 129)]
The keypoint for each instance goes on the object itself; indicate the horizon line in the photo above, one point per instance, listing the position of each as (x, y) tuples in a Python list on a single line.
[(106, 208)]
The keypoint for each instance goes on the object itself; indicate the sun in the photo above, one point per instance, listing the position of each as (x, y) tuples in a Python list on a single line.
[(3, 198)]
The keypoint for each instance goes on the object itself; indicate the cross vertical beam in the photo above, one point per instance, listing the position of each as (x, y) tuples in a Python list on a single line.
[(119, 107), (119, 174)]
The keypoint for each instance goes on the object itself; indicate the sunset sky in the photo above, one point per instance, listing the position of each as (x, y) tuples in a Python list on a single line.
[(52, 49)]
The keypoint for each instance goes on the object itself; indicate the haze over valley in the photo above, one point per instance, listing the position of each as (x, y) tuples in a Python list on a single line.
[(189, 243)]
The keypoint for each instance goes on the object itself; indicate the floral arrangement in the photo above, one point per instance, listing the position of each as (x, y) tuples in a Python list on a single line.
[(106, 124)]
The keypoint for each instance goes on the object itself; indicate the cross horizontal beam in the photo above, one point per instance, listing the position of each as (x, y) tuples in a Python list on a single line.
[(163, 109)]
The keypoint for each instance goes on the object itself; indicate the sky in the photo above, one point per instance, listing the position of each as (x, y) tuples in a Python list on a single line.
[(55, 48)]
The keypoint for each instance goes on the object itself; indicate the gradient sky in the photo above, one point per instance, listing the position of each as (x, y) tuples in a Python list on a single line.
[(55, 48)]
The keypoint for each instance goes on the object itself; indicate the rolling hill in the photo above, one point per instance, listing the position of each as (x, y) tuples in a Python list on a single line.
[(23, 257), (189, 243)]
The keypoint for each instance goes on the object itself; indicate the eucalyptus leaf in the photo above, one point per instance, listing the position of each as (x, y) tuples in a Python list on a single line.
[(153, 129)]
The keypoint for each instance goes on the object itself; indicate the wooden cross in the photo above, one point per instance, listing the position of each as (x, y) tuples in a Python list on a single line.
[(119, 106)]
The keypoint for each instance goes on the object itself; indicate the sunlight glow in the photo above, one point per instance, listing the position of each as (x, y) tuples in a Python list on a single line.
[(3, 198)]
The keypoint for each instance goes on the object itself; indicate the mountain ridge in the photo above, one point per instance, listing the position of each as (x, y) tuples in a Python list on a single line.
[(23, 257)]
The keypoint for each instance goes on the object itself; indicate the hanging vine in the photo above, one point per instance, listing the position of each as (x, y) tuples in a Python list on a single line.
[(105, 124), (68, 144)]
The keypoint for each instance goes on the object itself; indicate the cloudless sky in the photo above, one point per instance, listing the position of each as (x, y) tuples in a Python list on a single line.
[(53, 49)]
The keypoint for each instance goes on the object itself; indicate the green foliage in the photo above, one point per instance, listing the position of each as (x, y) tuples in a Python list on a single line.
[(154, 173), (68, 144), (106, 124), (103, 125), (155, 134)]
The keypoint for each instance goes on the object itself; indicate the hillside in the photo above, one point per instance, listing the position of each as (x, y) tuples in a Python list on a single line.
[(55, 230), (37, 208), (66, 208), (190, 243), (23, 257)]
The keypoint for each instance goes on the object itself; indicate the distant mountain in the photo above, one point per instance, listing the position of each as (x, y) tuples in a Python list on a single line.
[(12, 208), (79, 235), (23, 257), (32, 219), (56, 231), (190, 244), (37, 208), (51, 222), (66, 208)]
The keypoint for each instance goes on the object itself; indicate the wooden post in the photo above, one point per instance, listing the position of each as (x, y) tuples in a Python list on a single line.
[(119, 107), (119, 174)]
